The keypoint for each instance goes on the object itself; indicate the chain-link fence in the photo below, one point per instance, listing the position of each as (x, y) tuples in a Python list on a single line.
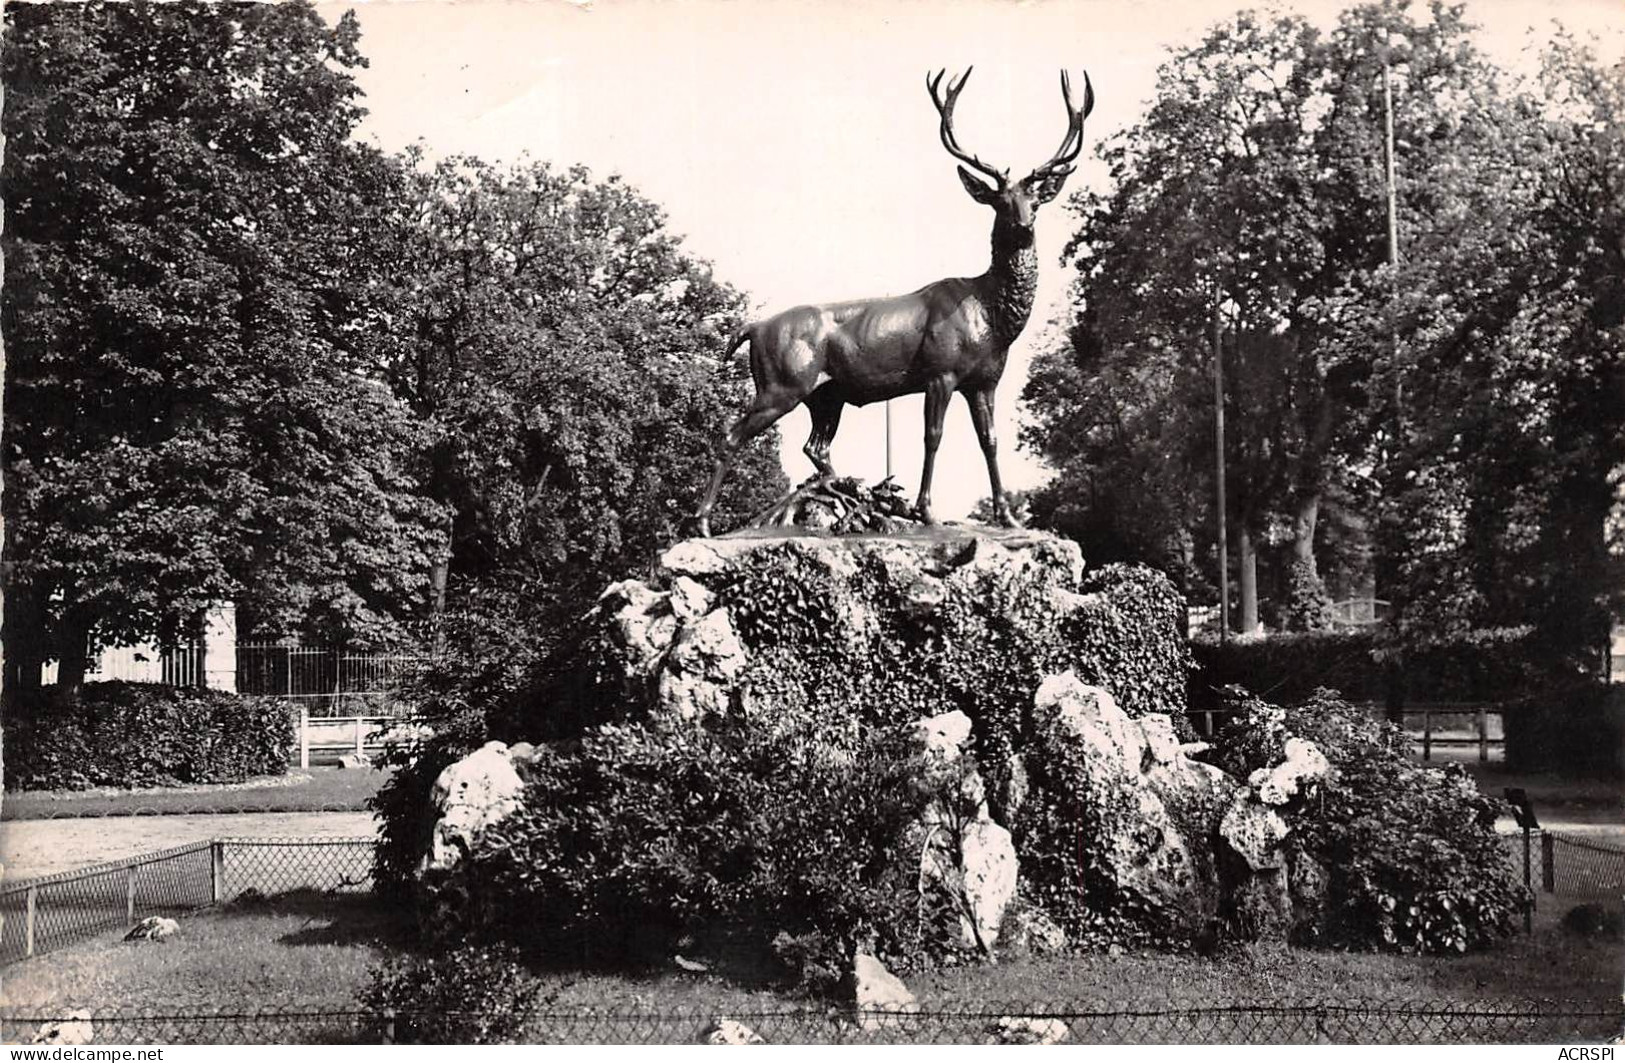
[(1570, 865), (1574, 865), (280, 865), (39, 915), (1288, 1022)]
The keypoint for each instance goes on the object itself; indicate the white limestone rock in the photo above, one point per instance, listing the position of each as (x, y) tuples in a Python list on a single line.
[(470, 795)]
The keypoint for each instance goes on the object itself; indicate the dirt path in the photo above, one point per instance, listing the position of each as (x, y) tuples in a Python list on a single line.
[(29, 848)]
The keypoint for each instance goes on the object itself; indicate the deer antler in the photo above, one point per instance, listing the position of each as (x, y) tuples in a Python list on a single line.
[(946, 109), (1072, 145)]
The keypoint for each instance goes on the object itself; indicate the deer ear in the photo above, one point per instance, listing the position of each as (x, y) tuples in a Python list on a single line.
[(979, 190), (1048, 185)]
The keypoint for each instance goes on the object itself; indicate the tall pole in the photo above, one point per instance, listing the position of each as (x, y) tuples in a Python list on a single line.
[(1218, 449), (888, 439), (1393, 215), (1388, 137)]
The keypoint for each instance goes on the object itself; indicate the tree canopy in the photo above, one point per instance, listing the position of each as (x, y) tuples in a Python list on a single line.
[(563, 352), (254, 360), (1420, 405), (187, 241)]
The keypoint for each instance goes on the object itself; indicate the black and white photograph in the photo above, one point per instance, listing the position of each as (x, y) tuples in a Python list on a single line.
[(800, 522)]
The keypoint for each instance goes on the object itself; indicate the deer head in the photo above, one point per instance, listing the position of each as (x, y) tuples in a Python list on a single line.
[(1014, 202)]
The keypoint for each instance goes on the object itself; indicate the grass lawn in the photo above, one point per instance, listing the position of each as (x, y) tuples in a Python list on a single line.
[(1556, 797), (301, 790), (314, 951)]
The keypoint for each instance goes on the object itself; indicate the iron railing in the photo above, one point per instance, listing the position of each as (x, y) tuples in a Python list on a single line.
[(325, 680)]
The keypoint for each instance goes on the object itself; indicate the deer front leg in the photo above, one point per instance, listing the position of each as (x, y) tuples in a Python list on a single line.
[(825, 408), (937, 394), (981, 415)]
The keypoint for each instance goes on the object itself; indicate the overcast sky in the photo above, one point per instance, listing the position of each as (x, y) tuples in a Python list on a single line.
[(793, 144)]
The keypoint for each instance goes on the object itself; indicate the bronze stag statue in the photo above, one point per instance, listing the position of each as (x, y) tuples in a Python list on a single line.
[(951, 335)]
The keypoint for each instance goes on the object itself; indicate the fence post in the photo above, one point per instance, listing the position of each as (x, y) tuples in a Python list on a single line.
[(1207, 715), (1427, 734), (28, 920), (1529, 907), (217, 872), (389, 1026), (1483, 735), (129, 896), (360, 748), (304, 736), (1548, 863)]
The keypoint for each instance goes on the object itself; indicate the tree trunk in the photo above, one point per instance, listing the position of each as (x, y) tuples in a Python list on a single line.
[(1303, 532), (439, 576), (21, 633), (73, 652), (1247, 562)]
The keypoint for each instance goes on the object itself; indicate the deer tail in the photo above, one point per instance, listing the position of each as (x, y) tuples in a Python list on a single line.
[(740, 338)]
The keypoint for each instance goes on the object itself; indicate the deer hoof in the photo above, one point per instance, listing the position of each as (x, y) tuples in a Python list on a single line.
[(922, 513), (1008, 519), (702, 527)]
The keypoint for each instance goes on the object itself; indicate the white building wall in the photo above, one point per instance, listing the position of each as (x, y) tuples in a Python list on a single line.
[(143, 662)]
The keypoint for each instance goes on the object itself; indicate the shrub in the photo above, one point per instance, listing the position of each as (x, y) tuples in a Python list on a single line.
[(1412, 855), (493, 653), (141, 734), (772, 844), (1287, 667), (406, 815), (632, 838), (470, 994)]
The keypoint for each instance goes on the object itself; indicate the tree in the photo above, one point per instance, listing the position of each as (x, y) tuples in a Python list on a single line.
[(1501, 475), (192, 290), (1244, 203), (563, 351)]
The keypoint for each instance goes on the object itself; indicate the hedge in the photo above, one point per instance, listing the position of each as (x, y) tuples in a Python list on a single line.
[(1492, 665), (141, 734), (1576, 728)]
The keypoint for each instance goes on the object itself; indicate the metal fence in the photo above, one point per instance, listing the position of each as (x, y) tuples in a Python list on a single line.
[(325, 680), (1574, 865), (39, 915), (1287, 1022)]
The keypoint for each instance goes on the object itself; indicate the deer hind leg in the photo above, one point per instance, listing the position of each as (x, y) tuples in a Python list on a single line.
[(764, 410), (825, 407), (937, 394), (981, 415)]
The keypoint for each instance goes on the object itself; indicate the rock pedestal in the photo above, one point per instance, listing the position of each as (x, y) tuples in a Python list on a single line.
[(1020, 683)]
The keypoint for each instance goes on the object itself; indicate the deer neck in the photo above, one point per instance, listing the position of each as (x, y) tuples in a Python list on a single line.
[(1011, 280)]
